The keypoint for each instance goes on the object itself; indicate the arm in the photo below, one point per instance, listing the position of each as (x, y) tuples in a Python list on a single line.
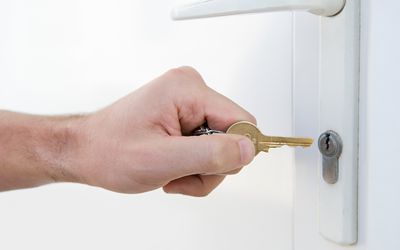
[(138, 144), (35, 150)]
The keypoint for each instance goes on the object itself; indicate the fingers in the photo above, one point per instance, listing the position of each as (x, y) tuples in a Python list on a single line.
[(233, 172), (222, 112), (214, 154), (194, 185), (198, 164), (198, 103)]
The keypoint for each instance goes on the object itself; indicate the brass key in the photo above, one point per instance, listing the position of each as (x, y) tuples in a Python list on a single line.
[(263, 142)]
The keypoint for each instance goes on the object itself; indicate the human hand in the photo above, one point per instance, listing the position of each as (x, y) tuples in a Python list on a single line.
[(142, 142)]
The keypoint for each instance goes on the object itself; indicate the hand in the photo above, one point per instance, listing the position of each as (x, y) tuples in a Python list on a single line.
[(142, 142)]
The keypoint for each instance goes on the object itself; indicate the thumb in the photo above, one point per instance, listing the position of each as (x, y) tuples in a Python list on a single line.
[(211, 154)]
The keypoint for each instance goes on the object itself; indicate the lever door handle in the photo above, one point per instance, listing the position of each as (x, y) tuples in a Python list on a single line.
[(212, 8)]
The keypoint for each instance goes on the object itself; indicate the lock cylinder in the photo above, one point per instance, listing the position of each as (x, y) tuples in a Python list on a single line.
[(330, 145)]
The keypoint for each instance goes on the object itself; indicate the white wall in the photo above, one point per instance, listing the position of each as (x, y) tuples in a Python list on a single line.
[(80, 55)]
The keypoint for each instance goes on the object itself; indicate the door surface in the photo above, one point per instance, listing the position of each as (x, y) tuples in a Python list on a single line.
[(378, 187)]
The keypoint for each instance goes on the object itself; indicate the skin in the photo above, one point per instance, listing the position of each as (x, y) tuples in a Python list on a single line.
[(140, 143)]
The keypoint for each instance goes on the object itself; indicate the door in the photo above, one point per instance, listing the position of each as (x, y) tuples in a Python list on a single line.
[(378, 186), (325, 91)]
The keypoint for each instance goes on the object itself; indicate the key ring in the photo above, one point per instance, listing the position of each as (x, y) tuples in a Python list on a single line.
[(205, 130)]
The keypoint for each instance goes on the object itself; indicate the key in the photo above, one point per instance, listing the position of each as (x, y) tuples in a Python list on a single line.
[(264, 142)]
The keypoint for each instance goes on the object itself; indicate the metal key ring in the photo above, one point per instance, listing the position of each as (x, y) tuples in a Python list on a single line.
[(205, 130)]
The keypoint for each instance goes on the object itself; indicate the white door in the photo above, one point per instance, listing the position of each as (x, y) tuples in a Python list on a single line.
[(378, 186)]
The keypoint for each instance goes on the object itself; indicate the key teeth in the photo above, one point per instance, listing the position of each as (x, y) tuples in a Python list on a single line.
[(262, 149)]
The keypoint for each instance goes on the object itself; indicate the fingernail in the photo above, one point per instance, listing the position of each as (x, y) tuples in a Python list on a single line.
[(247, 151)]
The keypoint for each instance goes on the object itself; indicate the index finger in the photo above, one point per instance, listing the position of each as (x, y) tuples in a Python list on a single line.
[(221, 112), (198, 104)]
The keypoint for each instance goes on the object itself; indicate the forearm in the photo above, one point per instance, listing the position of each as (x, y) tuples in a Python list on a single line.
[(35, 150)]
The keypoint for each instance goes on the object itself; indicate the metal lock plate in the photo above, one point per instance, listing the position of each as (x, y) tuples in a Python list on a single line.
[(330, 145)]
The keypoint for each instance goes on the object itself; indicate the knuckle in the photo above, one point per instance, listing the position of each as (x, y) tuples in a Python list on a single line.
[(216, 160), (222, 155), (252, 119), (188, 71), (185, 75)]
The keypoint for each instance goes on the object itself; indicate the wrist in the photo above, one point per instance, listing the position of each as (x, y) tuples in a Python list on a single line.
[(36, 150), (59, 147)]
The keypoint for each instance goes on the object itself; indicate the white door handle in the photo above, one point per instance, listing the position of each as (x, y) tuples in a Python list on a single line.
[(212, 8)]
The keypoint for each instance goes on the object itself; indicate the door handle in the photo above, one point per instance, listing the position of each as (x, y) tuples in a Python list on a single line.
[(213, 8)]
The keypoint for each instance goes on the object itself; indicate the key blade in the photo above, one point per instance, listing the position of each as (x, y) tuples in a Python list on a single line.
[(275, 142)]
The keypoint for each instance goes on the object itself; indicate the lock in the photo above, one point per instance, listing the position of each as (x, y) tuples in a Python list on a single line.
[(330, 145)]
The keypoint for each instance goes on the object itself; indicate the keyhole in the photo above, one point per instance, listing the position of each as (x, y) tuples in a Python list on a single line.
[(327, 142)]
